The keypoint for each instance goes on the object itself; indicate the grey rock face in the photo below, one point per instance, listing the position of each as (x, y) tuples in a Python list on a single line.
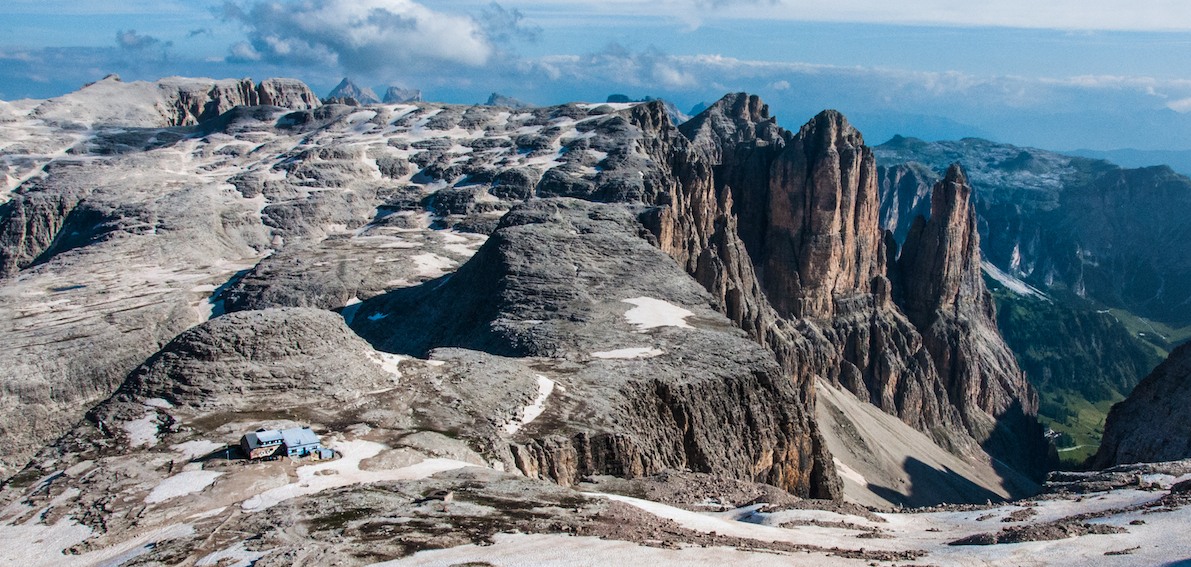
[(1152, 424), (506, 101), (905, 195), (552, 281), (1092, 227), (254, 359)]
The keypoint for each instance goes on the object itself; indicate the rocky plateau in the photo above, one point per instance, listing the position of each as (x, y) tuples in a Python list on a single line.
[(527, 333)]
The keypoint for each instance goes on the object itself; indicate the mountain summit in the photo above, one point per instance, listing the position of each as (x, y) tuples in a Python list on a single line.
[(348, 89)]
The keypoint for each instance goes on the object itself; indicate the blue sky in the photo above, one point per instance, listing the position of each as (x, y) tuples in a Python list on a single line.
[(1059, 74)]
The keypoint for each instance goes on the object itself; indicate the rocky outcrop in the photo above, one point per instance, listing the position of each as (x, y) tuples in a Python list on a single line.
[(171, 101), (347, 89), (1152, 424), (254, 359), (30, 221), (942, 291), (496, 99), (396, 95), (823, 241), (556, 280), (807, 208), (286, 93)]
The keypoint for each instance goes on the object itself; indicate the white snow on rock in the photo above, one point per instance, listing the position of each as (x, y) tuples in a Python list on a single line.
[(344, 472), (1013, 284), (431, 265), (557, 549), (158, 403), (627, 353), (193, 449), (388, 362), (846, 472), (182, 484), (237, 556), (650, 313), (531, 412), (35, 545), (143, 431)]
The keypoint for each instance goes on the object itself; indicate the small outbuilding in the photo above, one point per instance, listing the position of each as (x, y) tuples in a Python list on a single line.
[(295, 442)]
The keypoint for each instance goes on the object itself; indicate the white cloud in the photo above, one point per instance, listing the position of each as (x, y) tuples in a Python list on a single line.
[(1056, 14), (1181, 105), (369, 36), (780, 85)]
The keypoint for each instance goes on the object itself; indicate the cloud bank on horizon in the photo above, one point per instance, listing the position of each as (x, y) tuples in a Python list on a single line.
[(460, 50)]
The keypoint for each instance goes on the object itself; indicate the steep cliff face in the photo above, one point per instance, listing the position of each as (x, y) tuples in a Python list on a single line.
[(1152, 424), (1089, 226), (171, 101), (286, 93), (823, 240), (942, 291), (820, 258)]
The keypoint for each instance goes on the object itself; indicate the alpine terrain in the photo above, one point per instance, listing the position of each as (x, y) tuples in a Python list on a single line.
[(581, 332)]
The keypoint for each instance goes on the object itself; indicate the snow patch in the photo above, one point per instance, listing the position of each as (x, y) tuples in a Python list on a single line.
[(33, 545), (181, 484), (241, 557), (626, 353), (157, 403), (650, 313), (142, 431), (344, 472), (388, 362), (531, 412), (1013, 284), (193, 449), (846, 472), (431, 265)]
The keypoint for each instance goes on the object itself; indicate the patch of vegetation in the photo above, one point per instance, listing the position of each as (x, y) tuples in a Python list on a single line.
[(1079, 423), (1081, 357), (1163, 338), (1067, 344)]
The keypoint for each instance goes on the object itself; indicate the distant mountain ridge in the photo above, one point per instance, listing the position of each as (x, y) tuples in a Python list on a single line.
[(348, 89), (1178, 160), (1102, 231)]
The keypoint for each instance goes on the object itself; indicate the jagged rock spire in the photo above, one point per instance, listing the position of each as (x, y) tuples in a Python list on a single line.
[(941, 257)]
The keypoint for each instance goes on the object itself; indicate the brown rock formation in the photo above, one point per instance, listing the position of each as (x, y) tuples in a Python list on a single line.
[(823, 241), (286, 93), (196, 102), (1152, 424), (943, 294), (806, 211)]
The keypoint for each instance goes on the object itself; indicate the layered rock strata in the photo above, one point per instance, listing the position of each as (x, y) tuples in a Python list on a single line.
[(809, 207), (669, 383)]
